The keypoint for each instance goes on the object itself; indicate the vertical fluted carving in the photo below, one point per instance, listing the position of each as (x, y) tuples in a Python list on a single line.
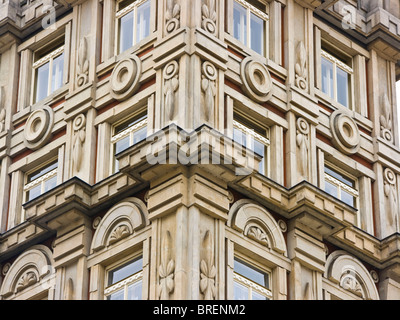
[(385, 119), (171, 85), (209, 16), (166, 268), (392, 205), (2, 109), (207, 268), (208, 86), (78, 142), (302, 147), (83, 63), (172, 16), (301, 66)]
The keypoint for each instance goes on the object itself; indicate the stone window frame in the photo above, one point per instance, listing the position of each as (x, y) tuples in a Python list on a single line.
[(272, 259), (62, 30), (343, 46), (229, 27)]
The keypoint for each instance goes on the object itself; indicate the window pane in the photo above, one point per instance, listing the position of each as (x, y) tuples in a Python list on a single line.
[(250, 273), (126, 32), (34, 192), (240, 292), (143, 21), (259, 148), (42, 82), (42, 172), (257, 34), (340, 177), (57, 75), (239, 136), (342, 87), (119, 295), (327, 77), (347, 198), (240, 23), (331, 189), (50, 184), (257, 296), (135, 291), (122, 144), (125, 271), (139, 135)]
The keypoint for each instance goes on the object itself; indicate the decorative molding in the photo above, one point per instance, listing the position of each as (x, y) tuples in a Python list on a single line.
[(338, 62), (79, 137), (301, 67), (83, 63), (2, 109), (208, 78), (385, 119), (258, 234), (26, 280), (349, 282), (38, 128), (119, 233), (166, 268), (345, 133), (171, 84), (172, 16), (302, 142), (256, 79), (391, 203), (209, 16), (124, 80), (208, 271)]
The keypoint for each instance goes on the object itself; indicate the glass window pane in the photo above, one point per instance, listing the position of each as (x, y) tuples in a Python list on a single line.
[(42, 82), (240, 22), (125, 271), (240, 292), (50, 184), (257, 34), (119, 295), (251, 273), (257, 296), (139, 135), (42, 172), (126, 32), (34, 192), (122, 144), (57, 74), (135, 291), (340, 177), (347, 198), (327, 77), (331, 189), (143, 21), (342, 87), (259, 148), (239, 136)]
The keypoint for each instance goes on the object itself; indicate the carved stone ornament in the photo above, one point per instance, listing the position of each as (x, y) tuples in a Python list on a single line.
[(209, 16), (257, 82), (2, 109), (391, 204), (302, 142), (385, 119), (171, 84), (172, 16), (301, 67), (208, 77), (349, 282), (124, 80), (26, 280), (166, 268), (345, 132), (119, 233), (207, 268), (78, 141), (83, 63), (256, 233), (38, 128)]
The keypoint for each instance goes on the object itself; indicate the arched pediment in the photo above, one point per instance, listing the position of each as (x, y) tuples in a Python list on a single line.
[(119, 222), (350, 274), (258, 224), (29, 268)]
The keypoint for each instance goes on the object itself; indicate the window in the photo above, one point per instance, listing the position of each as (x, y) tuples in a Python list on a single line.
[(249, 25), (48, 73), (252, 137), (125, 282), (336, 78), (341, 186), (133, 19), (250, 283), (41, 181), (127, 134)]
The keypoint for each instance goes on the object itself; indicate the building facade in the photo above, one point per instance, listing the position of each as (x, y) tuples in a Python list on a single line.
[(199, 149)]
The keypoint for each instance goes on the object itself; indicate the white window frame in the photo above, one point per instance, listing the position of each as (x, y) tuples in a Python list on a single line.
[(337, 63), (130, 131), (40, 180), (49, 58), (119, 14), (251, 285), (259, 13)]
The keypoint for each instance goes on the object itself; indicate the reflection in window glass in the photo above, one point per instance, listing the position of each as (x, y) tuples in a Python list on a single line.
[(240, 23), (342, 87), (42, 81), (257, 34), (327, 77)]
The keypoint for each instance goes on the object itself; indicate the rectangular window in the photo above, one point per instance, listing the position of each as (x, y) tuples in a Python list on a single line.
[(336, 78), (341, 186), (125, 282), (253, 137), (48, 73), (249, 25), (127, 134), (250, 283), (133, 22), (41, 181)]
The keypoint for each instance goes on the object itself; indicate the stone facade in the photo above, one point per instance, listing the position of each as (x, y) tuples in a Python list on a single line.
[(191, 199)]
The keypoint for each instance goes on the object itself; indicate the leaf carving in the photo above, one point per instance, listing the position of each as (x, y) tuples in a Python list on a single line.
[(166, 268), (208, 271)]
